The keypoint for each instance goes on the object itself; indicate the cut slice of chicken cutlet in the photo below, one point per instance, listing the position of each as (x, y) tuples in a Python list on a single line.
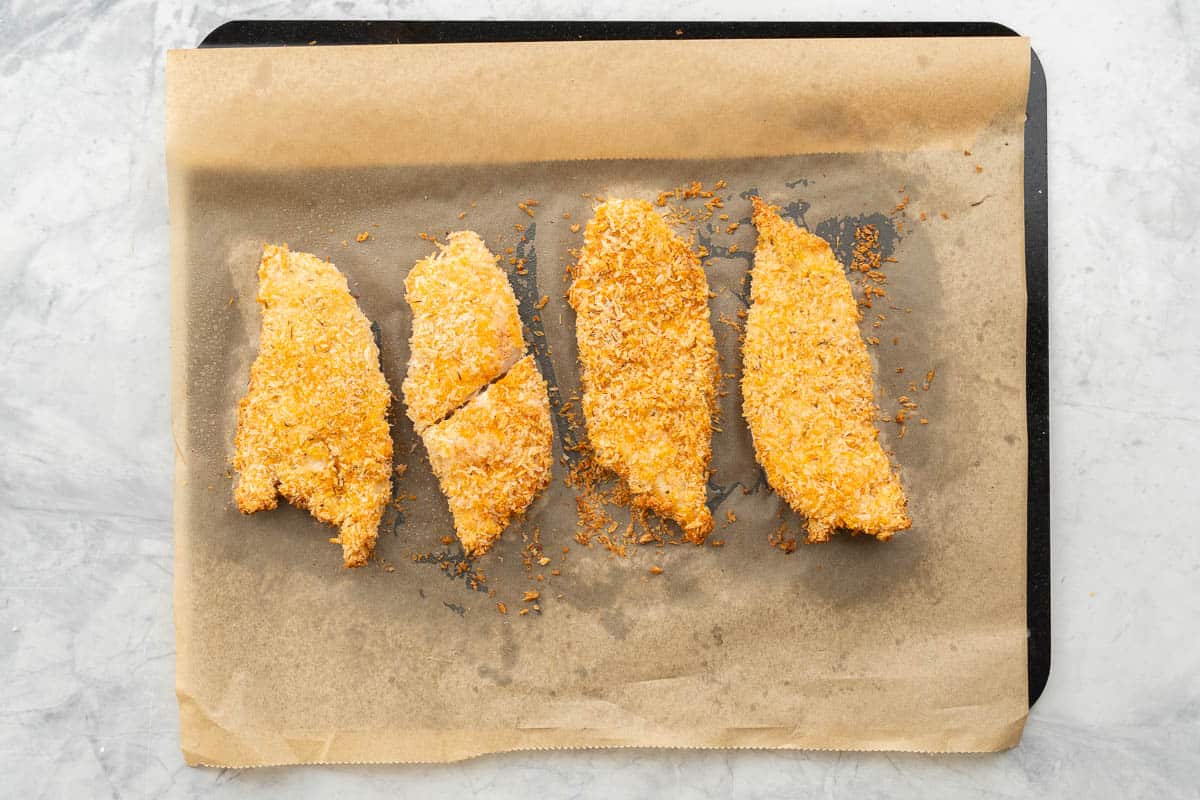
[(313, 424), (492, 456), (465, 332), (489, 445), (807, 388), (649, 360)]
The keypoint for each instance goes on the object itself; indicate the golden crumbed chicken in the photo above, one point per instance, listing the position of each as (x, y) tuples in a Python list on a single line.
[(466, 332), (807, 387), (490, 446), (313, 424), (649, 360), (492, 457)]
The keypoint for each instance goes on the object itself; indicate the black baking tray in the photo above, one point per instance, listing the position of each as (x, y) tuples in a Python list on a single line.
[(280, 33)]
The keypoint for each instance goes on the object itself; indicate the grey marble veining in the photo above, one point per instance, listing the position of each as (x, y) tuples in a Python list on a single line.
[(87, 706)]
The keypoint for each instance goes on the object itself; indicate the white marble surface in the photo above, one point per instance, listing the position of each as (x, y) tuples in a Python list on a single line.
[(86, 640)]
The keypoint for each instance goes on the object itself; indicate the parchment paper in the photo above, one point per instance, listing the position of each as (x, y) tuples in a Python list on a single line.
[(285, 657)]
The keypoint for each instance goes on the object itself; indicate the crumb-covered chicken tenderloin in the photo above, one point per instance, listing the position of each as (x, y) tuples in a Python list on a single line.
[(465, 330), (489, 445), (649, 360), (807, 388), (313, 424), (493, 456)]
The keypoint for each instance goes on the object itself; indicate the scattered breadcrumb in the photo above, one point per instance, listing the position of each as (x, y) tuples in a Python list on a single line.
[(725, 319), (503, 609), (780, 539), (656, 570)]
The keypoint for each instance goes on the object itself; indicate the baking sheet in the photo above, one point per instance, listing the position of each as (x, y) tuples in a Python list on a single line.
[(284, 657)]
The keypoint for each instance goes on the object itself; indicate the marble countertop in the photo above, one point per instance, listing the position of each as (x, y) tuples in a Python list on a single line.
[(87, 706)]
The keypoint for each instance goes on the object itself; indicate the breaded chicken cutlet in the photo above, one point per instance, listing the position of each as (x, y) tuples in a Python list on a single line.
[(481, 409), (465, 330), (807, 388), (492, 457), (313, 424), (649, 360)]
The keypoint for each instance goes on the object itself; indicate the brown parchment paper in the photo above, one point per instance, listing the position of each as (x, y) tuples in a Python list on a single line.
[(918, 644)]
